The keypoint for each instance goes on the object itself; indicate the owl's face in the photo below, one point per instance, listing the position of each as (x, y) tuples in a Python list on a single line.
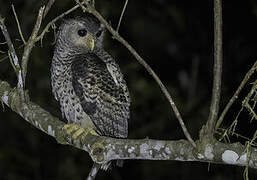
[(82, 33)]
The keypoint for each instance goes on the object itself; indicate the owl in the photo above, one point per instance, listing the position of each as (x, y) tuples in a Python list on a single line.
[(87, 81)]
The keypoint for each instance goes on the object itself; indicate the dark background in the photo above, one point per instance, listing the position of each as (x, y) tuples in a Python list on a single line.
[(176, 38)]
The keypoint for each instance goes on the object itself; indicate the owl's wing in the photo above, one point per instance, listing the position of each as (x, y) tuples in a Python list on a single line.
[(103, 100), (114, 71)]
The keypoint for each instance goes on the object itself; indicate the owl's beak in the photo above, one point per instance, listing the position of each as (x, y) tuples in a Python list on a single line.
[(90, 41), (92, 44)]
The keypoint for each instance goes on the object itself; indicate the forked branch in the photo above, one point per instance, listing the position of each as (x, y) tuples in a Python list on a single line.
[(235, 96), (13, 57), (30, 44)]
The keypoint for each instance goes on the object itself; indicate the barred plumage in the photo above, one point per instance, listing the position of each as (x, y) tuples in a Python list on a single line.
[(88, 82)]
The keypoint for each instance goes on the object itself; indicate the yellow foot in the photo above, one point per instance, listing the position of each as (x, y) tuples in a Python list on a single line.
[(75, 131)]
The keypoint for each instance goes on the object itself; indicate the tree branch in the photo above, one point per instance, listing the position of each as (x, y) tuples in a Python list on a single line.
[(217, 69), (35, 115), (121, 15), (46, 29), (103, 149), (14, 58), (14, 61), (30, 44), (116, 36), (48, 7), (18, 24)]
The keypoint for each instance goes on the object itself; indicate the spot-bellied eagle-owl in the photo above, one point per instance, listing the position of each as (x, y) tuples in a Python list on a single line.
[(87, 81)]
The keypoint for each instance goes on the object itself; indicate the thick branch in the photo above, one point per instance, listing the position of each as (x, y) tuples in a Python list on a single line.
[(217, 69), (116, 35), (106, 149), (103, 149), (35, 115)]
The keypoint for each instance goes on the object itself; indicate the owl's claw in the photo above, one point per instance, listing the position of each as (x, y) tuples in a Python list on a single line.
[(74, 130)]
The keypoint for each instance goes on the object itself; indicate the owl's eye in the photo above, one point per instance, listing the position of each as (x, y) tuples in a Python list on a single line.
[(82, 32), (98, 34)]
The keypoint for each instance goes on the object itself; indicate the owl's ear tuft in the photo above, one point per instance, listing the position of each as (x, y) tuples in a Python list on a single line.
[(101, 32)]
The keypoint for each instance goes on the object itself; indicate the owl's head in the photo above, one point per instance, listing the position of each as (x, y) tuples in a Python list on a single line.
[(84, 34)]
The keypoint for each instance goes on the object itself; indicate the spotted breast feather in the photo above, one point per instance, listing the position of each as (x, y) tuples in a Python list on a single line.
[(102, 99)]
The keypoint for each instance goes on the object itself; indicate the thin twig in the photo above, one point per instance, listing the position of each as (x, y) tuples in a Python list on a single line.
[(122, 13), (115, 34), (13, 55), (6, 57), (235, 96), (217, 69), (35, 37), (48, 7), (18, 24), (235, 134), (46, 29), (32, 39)]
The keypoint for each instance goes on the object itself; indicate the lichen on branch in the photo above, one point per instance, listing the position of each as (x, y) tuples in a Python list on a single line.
[(103, 149)]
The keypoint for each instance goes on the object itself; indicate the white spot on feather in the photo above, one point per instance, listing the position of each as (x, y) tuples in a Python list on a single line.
[(111, 70)]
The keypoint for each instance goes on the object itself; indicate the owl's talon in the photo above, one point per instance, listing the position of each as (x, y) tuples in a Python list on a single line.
[(69, 128), (73, 130), (78, 132)]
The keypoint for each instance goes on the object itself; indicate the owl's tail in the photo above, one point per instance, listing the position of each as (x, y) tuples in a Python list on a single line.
[(95, 168)]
